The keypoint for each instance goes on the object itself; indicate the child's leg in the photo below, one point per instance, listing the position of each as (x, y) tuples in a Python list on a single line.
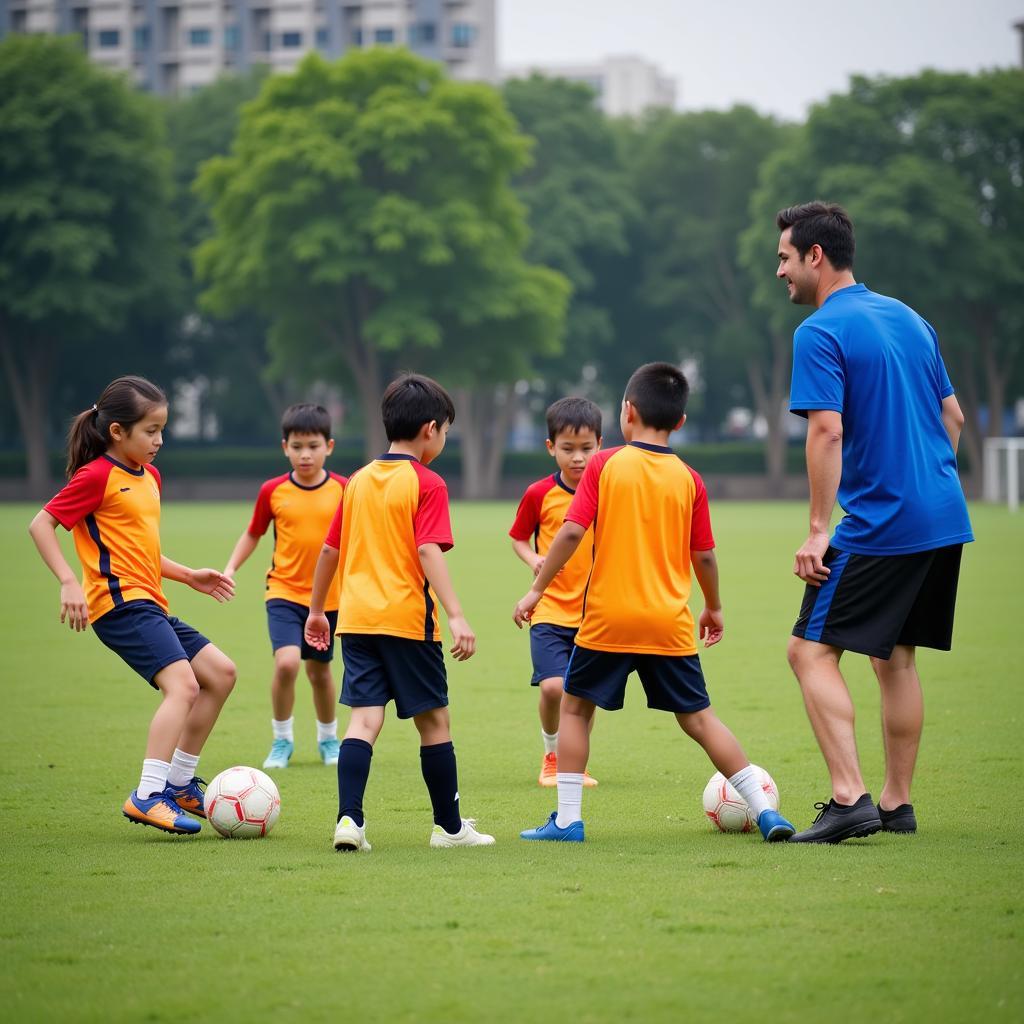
[(549, 706), (177, 683), (577, 718), (364, 727), (440, 772), (282, 685), (325, 698), (216, 674)]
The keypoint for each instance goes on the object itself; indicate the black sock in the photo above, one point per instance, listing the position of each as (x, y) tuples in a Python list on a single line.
[(437, 762), (353, 771)]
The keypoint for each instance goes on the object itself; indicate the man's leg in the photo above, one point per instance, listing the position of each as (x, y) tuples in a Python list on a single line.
[(902, 720)]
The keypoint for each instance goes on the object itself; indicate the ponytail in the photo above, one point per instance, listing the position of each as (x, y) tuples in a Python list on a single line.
[(124, 401)]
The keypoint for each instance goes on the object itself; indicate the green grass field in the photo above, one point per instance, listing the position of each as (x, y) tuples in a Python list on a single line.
[(656, 917)]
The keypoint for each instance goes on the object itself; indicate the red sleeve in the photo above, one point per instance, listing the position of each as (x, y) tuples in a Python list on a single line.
[(333, 538), (528, 514), (262, 515), (159, 479), (701, 538), (583, 509), (341, 479), (82, 494), (432, 523)]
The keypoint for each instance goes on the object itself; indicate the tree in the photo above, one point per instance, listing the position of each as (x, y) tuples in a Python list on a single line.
[(84, 233), (365, 210)]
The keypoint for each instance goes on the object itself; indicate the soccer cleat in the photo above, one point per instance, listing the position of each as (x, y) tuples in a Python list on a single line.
[(329, 750), (549, 770), (900, 819), (774, 826), (160, 812), (550, 832), (280, 754), (350, 837), (466, 836), (588, 779), (190, 797), (836, 822)]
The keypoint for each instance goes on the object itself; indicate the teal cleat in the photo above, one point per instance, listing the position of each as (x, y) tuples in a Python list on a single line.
[(551, 833), (774, 826), (280, 754), (329, 750)]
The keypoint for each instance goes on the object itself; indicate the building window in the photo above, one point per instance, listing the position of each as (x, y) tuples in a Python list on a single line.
[(200, 36), (323, 38), (422, 32), (140, 37), (357, 37), (265, 42), (463, 35), (232, 37), (383, 35), (291, 40), (108, 37)]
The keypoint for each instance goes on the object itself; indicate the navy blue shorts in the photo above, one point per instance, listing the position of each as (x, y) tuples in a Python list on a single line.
[(381, 668), (142, 634), (550, 648), (286, 621), (672, 682)]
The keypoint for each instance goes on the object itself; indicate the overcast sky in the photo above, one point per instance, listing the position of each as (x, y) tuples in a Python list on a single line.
[(779, 58)]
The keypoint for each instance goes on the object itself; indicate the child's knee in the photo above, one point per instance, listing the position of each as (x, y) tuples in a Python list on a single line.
[(286, 663), (551, 689)]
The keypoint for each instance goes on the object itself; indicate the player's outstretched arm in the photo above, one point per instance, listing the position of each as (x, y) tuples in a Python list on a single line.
[(436, 570), (566, 541), (244, 547), (73, 609), (528, 555), (318, 630), (207, 581), (711, 624)]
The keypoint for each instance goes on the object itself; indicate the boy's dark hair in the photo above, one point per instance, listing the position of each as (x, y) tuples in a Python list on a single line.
[(573, 414), (824, 224), (658, 392), (125, 401), (306, 418), (412, 400)]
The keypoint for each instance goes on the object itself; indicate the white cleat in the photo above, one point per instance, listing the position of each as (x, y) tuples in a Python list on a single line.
[(350, 838), (466, 836)]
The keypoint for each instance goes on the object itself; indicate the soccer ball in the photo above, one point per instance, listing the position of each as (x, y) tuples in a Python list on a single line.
[(242, 803), (727, 810)]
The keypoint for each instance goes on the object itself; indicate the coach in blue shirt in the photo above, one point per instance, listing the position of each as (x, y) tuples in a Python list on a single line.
[(883, 426)]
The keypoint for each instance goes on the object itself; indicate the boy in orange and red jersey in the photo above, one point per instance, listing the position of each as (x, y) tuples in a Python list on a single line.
[(574, 434), (386, 542), (301, 505), (650, 516)]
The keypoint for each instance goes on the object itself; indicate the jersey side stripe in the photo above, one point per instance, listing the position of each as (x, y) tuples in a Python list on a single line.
[(113, 581)]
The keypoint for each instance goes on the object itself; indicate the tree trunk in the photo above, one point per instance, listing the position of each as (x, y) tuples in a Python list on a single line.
[(29, 385), (768, 400), (484, 420), (972, 434)]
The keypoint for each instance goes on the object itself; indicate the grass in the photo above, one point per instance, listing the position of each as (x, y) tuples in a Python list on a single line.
[(655, 918)]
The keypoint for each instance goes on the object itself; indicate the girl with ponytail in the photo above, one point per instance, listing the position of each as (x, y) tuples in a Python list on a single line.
[(111, 505)]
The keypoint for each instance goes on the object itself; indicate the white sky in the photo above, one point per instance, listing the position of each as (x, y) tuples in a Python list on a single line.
[(779, 58)]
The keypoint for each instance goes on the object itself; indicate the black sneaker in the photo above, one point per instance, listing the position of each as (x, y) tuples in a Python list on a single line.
[(836, 822), (900, 819)]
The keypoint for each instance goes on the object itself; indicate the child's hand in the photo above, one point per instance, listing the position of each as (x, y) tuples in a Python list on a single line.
[(317, 631), (524, 609), (463, 639), (712, 626), (73, 606), (538, 565), (212, 582)]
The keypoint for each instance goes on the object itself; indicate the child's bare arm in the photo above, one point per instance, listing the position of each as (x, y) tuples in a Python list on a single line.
[(528, 555), (566, 541), (207, 581), (436, 571), (318, 629), (711, 624), (73, 609), (245, 546)]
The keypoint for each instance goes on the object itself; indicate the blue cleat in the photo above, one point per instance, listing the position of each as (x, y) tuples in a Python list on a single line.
[(329, 751), (280, 754), (191, 797), (774, 826), (551, 833), (161, 812)]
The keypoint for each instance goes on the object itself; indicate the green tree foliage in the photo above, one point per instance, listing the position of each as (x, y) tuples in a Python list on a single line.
[(365, 210), (84, 231)]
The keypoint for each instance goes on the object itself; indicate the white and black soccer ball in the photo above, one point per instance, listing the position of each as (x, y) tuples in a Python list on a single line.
[(727, 810), (242, 803)]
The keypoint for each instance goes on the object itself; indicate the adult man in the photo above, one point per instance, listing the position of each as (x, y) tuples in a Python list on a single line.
[(883, 426)]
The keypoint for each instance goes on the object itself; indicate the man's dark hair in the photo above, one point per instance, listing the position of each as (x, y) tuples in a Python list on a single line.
[(573, 414), (306, 419), (412, 400), (658, 392), (824, 224)]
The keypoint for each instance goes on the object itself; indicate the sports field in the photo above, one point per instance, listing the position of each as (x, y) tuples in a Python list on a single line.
[(656, 917)]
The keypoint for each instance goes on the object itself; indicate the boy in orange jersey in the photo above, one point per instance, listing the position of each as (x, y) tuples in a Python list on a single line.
[(574, 434), (650, 516), (388, 536), (301, 505)]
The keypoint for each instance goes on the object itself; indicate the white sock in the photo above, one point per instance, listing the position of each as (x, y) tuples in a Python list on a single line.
[(748, 785), (154, 778), (550, 742), (284, 730), (183, 768), (326, 730), (570, 798)]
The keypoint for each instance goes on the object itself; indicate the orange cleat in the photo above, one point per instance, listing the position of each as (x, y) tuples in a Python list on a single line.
[(549, 770), (159, 811)]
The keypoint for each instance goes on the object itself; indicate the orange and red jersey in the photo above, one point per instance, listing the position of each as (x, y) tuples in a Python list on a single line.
[(539, 517), (113, 513), (301, 516), (390, 507), (649, 510)]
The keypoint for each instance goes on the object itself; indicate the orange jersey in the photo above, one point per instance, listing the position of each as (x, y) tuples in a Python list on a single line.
[(301, 516), (390, 508), (649, 511), (113, 513), (539, 517)]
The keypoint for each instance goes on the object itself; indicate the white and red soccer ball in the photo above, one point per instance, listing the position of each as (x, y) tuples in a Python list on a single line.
[(242, 803), (727, 810)]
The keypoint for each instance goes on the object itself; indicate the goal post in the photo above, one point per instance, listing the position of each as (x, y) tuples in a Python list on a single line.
[(1004, 471)]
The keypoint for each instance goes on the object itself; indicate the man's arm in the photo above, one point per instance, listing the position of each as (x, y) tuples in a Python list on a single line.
[(824, 469), (952, 419), (566, 541)]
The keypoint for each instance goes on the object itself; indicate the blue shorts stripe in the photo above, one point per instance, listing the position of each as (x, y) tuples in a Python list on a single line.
[(816, 623)]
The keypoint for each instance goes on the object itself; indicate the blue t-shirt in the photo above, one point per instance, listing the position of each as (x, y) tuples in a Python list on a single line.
[(877, 362)]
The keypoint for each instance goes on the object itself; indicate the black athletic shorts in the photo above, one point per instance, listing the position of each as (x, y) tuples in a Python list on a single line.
[(871, 603)]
